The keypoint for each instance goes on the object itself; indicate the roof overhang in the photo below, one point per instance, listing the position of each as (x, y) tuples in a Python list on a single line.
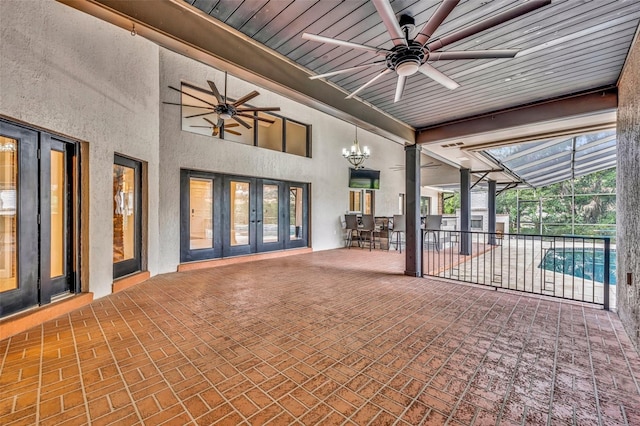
[(570, 115)]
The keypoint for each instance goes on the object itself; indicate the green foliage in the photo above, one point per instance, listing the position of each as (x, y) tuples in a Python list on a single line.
[(451, 203), (595, 203)]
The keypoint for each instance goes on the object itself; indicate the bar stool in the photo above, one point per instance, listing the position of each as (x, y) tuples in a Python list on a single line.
[(399, 228)]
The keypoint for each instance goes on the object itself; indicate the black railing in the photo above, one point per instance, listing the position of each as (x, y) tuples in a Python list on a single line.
[(571, 267)]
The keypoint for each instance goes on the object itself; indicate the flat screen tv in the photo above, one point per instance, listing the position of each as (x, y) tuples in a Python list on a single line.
[(364, 178)]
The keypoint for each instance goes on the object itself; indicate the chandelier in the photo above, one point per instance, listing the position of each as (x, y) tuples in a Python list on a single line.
[(355, 155)]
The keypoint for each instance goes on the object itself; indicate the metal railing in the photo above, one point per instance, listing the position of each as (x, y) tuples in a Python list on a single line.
[(569, 267)]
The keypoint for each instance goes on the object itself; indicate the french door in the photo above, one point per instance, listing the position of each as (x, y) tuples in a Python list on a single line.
[(254, 216), (127, 216), (224, 215), (38, 219)]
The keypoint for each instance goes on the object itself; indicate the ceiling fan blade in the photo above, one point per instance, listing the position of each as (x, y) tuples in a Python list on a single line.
[(233, 132), (215, 131), (472, 54), (258, 109), (346, 70), (322, 39), (241, 121), (369, 83), (186, 105), (215, 91), (402, 79), (192, 96), (437, 76), (390, 22), (204, 127), (256, 117), (245, 98), (200, 115), (488, 23), (210, 122), (226, 126), (445, 8)]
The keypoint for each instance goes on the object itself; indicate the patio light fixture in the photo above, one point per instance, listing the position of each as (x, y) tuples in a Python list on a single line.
[(355, 155)]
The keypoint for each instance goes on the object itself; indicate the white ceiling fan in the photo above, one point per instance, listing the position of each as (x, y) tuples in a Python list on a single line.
[(409, 56)]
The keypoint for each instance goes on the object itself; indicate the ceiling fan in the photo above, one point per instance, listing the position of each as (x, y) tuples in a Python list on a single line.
[(224, 108), (409, 56), (215, 127)]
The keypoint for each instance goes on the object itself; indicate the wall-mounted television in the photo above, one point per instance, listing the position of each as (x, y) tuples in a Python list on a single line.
[(364, 178)]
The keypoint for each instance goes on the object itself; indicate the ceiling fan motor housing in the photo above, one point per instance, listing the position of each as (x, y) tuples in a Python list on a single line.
[(225, 111), (405, 60)]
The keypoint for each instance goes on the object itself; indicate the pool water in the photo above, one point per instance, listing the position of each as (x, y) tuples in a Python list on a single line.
[(587, 263)]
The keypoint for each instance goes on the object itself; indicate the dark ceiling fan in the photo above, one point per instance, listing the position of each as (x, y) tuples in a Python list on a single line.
[(215, 127), (409, 56), (226, 109)]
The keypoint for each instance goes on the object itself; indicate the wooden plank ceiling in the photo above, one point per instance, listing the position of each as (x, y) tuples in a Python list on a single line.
[(568, 47)]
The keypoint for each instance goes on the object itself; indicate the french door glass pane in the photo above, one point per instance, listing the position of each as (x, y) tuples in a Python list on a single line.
[(368, 202), (201, 205), (8, 211), (123, 213), (295, 213), (354, 201), (57, 213), (269, 213), (239, 213)]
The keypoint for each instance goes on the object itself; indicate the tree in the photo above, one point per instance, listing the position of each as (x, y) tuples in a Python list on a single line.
[(595, 202), (451, 203)]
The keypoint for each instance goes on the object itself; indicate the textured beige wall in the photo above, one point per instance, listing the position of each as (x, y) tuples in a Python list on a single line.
[(75, 75), (628, 198), (327, 171)]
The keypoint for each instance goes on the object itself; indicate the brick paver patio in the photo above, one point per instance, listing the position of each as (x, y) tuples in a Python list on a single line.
[(335, 337)]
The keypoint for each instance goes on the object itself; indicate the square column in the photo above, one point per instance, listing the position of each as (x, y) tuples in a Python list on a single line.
[(413, 253), (465, 212)]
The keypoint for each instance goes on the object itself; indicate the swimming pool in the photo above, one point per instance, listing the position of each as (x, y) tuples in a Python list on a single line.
[(581, 263)]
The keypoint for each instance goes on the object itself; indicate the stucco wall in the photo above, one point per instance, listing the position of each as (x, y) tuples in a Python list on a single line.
[(433, 195), (326, 171), (77, 76), (74, 75), (628, 199)]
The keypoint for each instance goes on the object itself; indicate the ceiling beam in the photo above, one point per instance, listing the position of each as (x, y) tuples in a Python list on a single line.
[(182, 28), (557, 109)]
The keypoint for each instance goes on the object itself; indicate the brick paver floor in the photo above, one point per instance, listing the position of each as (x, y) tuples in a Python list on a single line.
[(335, 337)]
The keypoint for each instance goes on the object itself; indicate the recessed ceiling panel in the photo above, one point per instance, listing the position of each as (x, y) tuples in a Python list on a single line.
[(567, 47)]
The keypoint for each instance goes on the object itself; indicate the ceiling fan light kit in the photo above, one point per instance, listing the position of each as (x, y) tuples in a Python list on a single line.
[(407, 68), (410, 56)]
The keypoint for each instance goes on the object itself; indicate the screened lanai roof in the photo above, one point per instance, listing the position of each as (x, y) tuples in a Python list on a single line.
[(545, 162)]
